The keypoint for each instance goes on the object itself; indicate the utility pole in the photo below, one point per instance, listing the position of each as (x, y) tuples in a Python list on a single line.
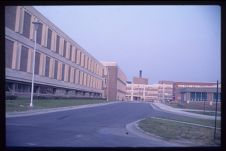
[(216, 114)]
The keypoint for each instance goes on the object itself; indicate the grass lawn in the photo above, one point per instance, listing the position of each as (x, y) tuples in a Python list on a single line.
[(205, 113), (173, 131), (206, 122), (195, 105), (23, 104)]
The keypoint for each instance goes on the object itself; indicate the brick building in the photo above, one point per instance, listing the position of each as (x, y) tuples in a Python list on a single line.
[(195, 92), (115, 82)]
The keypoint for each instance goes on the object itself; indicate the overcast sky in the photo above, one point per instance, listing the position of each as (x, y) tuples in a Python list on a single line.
[(179, 43)]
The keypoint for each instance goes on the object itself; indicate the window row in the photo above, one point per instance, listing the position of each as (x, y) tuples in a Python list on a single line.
[(46, 66), (21, 20)]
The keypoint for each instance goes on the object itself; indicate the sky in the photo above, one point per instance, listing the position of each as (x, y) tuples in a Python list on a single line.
[(175, 43)]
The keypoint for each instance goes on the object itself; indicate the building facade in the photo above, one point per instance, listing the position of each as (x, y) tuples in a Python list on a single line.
[(165, 91), (186, 92), (115, 88), (142, 92), (62, 67)]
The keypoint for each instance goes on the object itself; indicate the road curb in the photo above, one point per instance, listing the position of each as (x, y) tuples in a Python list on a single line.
[(51, 110), (134, 129)]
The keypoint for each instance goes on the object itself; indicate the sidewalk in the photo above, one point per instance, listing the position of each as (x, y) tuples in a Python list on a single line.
[(166, 108), (51, 110)]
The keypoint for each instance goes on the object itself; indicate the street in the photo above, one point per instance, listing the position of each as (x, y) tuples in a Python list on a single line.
[(101, 126)]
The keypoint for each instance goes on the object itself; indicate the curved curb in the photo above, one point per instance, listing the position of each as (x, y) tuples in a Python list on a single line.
[(134, 129)]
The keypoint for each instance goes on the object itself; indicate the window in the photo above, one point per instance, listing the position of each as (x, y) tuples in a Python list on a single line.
[(49, 39), (69, 72), (75, 54), (65, 44), (39, 34), (8, 53), (63, 66), (23, 60), (47, 66), (204, 96), (55, 69), (27, 24), (57, 44), (215, 96), (10, 16), (37, 61), (198, 96), (70, 53)]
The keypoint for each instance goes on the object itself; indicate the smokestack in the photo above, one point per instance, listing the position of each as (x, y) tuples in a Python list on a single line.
[(140, 73)]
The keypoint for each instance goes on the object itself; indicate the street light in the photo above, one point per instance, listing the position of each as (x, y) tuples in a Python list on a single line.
[(36, 25)]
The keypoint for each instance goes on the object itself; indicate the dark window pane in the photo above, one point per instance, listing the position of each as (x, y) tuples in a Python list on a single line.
[(8, 53), (39, 34), (57, 44), (75, 55), (49, 39), (55, 69), (63, 66), (10, 16), (69, 72), (27, 24), (64, 54), (70, 53), (37, 61), (23, 59), (47, 67)]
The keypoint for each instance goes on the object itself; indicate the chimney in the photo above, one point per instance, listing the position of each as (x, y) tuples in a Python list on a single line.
[(140, 74)]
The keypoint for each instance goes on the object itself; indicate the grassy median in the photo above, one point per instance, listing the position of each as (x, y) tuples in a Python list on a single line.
[(205, 113), (23, 104), (174, 131)]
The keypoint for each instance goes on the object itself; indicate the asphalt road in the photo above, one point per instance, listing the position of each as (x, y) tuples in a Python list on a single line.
[(101, 126)]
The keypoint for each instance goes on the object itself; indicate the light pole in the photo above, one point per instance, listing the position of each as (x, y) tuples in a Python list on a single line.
[(36, 25), (215, 124)]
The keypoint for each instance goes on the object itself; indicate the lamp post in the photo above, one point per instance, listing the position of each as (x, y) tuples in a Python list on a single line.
[(215, 124), (36, 25)]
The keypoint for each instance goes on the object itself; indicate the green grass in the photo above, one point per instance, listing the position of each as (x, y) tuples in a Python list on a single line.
[(172, 131), (195, 105), (205, 113), (207, 122), (23, 104)]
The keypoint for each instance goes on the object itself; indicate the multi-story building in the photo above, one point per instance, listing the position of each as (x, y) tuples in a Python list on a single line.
[(140, 79), (142, 92), (62, 67), (165, 91), (115, 82), (185, 92), (139, 89)]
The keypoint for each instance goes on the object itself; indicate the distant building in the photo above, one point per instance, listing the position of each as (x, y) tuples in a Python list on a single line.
[(140, 79), (165, 91), (185, 92), (115, 82), (140, 90)]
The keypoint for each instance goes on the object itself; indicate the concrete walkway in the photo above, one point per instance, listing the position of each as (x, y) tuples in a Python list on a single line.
[(51, 110), (166, 108)]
